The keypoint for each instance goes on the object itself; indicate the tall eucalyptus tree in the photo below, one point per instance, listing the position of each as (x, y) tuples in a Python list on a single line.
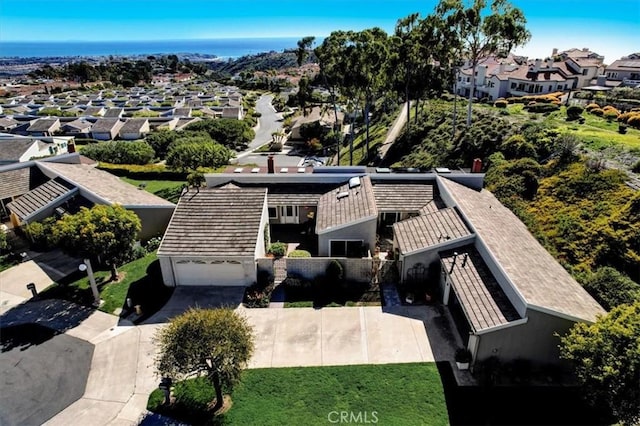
[(483, 29)]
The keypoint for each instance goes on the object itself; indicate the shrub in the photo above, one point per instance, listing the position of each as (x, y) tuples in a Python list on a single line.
[(611, 115), (40, 233), (636, 167), (574, 112), (463, 355), (299, 253), (535, 107), (622, 128), (120, 152), (591, 107), (597, 111), (634, 121), (278, 249), (153, 244), (335, 272), (500, 103)]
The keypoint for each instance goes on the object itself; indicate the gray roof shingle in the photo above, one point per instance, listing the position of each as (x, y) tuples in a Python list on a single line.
[(335, 213), (402, 197), (215, 222), (40, 197), (16, 182), (43, 124), (421, 232), (105, 125), (104, 184), (535, 274), (483, 300)]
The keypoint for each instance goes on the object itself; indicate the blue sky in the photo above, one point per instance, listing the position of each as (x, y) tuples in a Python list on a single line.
[(611, 29)]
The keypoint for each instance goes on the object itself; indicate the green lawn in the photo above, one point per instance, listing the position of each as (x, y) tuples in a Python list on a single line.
[(392, 394), (142, 282), (167, 189)]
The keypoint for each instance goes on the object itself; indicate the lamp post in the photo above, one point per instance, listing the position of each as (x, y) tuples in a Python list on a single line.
[(86, 266)]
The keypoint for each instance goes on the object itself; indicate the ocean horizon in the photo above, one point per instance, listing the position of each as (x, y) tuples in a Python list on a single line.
[(223, 47)]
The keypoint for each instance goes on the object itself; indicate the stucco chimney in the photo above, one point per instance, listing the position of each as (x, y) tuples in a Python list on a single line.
[(271, 165), (501, 68), (554, 52), (550, 63), (537, 65)]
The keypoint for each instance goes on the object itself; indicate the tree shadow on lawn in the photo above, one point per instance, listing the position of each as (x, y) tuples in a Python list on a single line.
[(149, 292)]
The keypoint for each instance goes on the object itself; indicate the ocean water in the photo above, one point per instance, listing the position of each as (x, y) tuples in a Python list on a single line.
[(224, 48)]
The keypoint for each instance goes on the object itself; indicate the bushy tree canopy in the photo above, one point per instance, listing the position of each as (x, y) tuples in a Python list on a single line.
[(611, 288), (105, 231), (120, 152), (192, 152), (214, 342), (228, 132), (606, 357)]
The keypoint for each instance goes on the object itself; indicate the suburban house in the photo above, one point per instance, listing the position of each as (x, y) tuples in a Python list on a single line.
[(95, 111), (232, 112), (106, 129), (80, 127), (16, 148), (518, 76), (134, 128), (60, 185), (44, 127), (625, 71), (507, 295)]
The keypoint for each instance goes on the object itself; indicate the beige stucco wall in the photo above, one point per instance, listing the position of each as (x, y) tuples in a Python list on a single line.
[(365, 231)]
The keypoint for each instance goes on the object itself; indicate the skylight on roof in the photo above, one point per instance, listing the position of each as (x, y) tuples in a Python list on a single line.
[(255, 170), (284, 170), (354, 182), (301, 169), (238, 170), (342, 194)]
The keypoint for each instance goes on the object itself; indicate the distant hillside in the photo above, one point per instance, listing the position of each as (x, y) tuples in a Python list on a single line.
[(258, 62)]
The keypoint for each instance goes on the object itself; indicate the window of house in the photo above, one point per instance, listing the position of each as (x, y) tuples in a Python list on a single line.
[(345, 248), (273, 213), (513, 85)]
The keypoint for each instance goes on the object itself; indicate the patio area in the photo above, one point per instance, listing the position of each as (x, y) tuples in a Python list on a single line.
[(297, 236)]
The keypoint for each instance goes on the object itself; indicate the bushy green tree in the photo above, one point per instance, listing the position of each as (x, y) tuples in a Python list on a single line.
[(160, 141), (120, 152), (606, 358), (611, 288), (226, 131), (193, 152), (217, 343), (517, 146), (102, 231)]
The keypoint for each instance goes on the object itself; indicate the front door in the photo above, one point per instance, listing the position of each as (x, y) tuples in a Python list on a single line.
[(289, 214)]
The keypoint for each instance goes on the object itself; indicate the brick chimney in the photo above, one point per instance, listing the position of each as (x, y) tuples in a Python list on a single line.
[(271, 165)]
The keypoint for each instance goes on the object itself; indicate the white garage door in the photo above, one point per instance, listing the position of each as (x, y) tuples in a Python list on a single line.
[(199, 272)]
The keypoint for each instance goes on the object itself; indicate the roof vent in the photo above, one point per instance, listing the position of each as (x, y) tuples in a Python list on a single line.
[(342, 194), (238, 170), (301, 169), (255, 170), (354, 182), (284, 170), (442, 170)]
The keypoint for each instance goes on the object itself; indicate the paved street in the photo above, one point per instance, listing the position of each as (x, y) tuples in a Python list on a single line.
[(269, 122)]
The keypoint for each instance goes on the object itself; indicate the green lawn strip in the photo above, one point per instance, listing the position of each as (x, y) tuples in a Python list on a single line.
[(167, 189), (396, 394), (141, 281)]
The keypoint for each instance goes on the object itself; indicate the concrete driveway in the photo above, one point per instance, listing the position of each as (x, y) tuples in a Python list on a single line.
[(13, 283), (335, 336)]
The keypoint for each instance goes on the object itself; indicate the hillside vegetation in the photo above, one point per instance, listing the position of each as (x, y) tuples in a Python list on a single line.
[(582, 212)]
